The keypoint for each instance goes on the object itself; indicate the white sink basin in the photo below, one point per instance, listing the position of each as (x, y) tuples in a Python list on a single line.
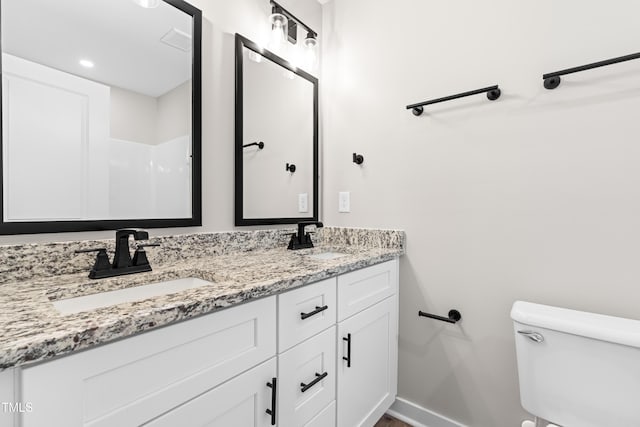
[(135, 293), (327, 255)]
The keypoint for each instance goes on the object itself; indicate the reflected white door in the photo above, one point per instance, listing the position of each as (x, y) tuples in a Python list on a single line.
[(51, 155)]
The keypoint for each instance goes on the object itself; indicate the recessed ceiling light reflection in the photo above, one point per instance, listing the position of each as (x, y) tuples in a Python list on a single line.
[(147, 4), (86, 63)]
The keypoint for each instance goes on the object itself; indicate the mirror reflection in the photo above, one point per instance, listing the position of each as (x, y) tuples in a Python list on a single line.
[(278, 139), (96, 110)]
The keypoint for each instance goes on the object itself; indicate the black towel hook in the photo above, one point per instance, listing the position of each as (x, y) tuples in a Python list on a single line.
[(358, 159)]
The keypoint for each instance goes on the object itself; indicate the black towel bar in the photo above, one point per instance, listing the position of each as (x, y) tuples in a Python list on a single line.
[(552, 80), (454, 316), (493, 93), (259, 144)]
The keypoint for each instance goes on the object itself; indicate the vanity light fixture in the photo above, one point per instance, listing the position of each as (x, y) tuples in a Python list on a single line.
[(147, 4), (284, 27), (279, 30), (86, 63), (311, 51)]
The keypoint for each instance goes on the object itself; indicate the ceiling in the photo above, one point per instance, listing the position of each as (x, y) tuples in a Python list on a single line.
[(122, 39)]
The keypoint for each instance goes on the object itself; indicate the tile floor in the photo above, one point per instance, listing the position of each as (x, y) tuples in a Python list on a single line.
[(389, 421)]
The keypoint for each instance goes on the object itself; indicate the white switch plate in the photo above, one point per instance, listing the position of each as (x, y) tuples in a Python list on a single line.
[(344, 201), (303, 202)]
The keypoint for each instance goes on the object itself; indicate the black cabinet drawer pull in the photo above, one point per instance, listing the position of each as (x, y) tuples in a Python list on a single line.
[(314, 312), (319, 377), (348, 357), (272, 411)]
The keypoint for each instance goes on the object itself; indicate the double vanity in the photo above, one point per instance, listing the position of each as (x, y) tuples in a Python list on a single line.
[(217, 329), (238, 331)]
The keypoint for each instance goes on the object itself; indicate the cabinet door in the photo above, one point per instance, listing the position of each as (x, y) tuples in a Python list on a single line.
[(131, 381), (312, 363), (367, 364), (240, 402)]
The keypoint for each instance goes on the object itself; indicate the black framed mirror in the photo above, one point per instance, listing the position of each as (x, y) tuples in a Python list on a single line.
[(276, 127), (101, 115)]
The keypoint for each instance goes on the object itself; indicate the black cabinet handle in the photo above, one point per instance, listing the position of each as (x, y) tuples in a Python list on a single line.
[(272, 411), (314, 312), (319, 377), (348, 357)]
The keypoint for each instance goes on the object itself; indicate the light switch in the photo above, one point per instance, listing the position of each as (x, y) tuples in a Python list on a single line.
[(344, 201), (303, 202)]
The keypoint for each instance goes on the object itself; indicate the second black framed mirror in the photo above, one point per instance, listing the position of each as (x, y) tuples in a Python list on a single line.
[(276, 139)]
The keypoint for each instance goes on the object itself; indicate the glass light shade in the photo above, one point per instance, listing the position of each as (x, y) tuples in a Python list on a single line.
[(278, 39), (310, 53)]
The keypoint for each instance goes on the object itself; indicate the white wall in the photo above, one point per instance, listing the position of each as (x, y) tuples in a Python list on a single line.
[(174, 113), (534, 196), (134, 116), (221, 20)]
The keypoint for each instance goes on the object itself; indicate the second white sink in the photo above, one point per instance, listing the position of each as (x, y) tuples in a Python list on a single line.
[(327, 255), (134, 293)]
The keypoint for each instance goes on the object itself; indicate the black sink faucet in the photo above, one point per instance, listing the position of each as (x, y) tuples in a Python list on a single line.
[(122, 257), (122, 262), (303, 240)]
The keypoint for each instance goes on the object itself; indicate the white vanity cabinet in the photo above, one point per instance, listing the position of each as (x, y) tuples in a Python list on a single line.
[(283, 360)]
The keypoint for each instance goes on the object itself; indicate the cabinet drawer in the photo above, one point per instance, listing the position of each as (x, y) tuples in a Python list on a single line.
[(241, 402), (133, 380), (304, 302), (363, 288), (326, 418), (304, 363)]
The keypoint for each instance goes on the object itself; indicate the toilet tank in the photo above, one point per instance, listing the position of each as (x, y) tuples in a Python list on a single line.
[(586, 370)]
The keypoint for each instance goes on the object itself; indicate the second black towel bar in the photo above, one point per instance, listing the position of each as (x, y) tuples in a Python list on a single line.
[(454, 316), (552, 80)]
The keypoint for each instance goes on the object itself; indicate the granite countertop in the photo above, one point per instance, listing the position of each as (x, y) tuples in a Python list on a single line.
[(31, 329)]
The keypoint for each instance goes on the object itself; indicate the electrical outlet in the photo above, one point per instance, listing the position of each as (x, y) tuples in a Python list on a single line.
[(303, 202), (344, 201)]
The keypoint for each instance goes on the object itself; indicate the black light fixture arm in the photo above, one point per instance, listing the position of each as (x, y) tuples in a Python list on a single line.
[(552, 80), (277, 7), (493, 93)]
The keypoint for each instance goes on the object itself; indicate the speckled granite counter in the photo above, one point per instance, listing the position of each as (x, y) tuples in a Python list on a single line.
[(242, 266)]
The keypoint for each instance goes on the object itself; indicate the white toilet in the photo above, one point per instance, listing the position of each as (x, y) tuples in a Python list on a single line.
[(577, 369)]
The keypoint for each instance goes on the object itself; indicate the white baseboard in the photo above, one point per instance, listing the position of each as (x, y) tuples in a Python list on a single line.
[(418, 416)]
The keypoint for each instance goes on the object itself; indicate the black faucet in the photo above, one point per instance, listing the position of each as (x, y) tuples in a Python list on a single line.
[(122, 262), (122, 257), (303, 240)]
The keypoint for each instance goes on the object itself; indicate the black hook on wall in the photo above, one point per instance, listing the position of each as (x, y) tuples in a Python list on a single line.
[(454, 316), (291, 168), (259, 144), (358, 159)]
